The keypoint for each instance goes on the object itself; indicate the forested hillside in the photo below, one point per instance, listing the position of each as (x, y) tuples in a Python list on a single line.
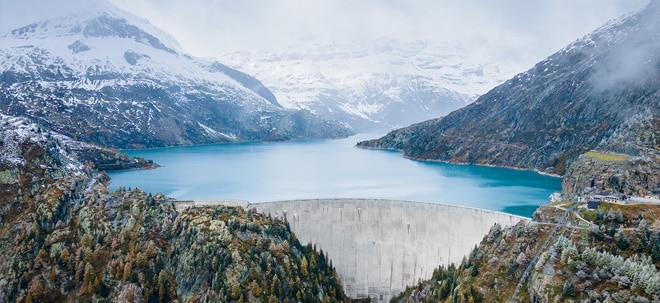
[(65, 238), (615, 258)]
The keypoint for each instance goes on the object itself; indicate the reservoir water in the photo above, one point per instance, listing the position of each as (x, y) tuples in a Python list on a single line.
[(259, 172)]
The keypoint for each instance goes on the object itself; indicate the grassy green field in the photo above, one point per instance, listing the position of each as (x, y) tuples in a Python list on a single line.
[(609, 157)]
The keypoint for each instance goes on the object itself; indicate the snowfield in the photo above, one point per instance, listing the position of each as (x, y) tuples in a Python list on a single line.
[(385, 84)]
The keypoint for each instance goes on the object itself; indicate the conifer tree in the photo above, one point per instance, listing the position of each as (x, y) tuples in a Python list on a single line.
[(303, 267)]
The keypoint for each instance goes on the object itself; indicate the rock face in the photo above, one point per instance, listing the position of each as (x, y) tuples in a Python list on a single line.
[(107, 77), (64, 237), (382, 85), (629, 163), (74, 154), (587, 96), (593, 172)]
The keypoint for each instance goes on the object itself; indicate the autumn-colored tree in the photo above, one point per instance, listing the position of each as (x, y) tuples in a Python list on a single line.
[(53, 274), (276, 287), (80, 271), (89, 274), (256, 289), (303, 267), (127, 271), (64, 257), (235, 291), (141, 261)]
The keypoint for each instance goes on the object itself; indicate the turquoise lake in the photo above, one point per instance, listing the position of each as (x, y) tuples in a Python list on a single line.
[(259, 172)]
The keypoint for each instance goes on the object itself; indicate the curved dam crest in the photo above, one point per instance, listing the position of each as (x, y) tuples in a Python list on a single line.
[(379, 247)]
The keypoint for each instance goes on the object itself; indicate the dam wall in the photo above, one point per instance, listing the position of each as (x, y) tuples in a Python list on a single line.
[(379, 247)]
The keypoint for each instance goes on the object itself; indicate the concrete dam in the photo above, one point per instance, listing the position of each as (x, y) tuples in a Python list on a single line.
[(379, 247)]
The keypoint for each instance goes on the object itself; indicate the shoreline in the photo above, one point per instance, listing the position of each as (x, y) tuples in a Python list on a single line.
[(405, 156)]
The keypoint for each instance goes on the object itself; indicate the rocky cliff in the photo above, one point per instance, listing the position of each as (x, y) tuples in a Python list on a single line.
[(18, 129), (600, 92), (64, 237), (628, 162)]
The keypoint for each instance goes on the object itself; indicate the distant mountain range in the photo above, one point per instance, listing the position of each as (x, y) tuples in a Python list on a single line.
[(376, 85), (601, 92), (107, 77)]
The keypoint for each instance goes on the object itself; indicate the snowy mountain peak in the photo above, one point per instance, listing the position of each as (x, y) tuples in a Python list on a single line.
[(108, 77), (99, 22)]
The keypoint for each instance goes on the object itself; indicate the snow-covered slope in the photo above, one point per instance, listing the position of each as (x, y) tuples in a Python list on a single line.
[(108, 77), (18, 130), (384, 84)]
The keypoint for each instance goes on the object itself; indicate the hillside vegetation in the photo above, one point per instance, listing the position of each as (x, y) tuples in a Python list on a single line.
[(618, 262), (65, 238)]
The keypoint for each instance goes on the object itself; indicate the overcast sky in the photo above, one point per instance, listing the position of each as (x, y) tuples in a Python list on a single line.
[(526, 29)]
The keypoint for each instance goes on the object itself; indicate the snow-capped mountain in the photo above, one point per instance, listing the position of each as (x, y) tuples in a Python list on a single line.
[(381, 85), (108, 77)]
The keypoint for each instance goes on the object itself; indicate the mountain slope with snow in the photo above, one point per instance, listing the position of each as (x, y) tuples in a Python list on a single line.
[(107, 77), (378, 85), (600, 92)]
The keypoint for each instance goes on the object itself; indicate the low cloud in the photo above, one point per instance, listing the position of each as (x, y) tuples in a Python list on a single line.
[(633, 64), (520, 30), (509, 29), (636, 59)]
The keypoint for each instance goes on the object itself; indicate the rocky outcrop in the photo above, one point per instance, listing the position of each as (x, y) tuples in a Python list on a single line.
[(104, 159), (592, 172), (19, 131), (544, 118), (628, 162)]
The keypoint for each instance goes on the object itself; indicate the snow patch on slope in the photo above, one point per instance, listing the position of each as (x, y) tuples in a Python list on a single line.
[(214, 133), (18, 130)]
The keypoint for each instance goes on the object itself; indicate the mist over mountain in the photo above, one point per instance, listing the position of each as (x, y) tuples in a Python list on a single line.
[(107, 77), (374, 86), (599, 92)]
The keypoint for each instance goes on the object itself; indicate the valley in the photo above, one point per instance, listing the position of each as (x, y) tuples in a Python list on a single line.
[(310, 169), (377, 86), (106, 121)]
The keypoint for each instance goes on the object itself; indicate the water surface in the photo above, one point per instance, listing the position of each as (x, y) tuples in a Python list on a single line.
[(259, 172)]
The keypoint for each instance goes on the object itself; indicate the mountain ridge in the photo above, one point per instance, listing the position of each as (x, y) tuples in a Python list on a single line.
[(107, 77), (545, 118), (380, 84)]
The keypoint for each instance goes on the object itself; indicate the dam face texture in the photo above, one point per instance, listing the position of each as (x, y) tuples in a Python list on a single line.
[(379, 247)]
